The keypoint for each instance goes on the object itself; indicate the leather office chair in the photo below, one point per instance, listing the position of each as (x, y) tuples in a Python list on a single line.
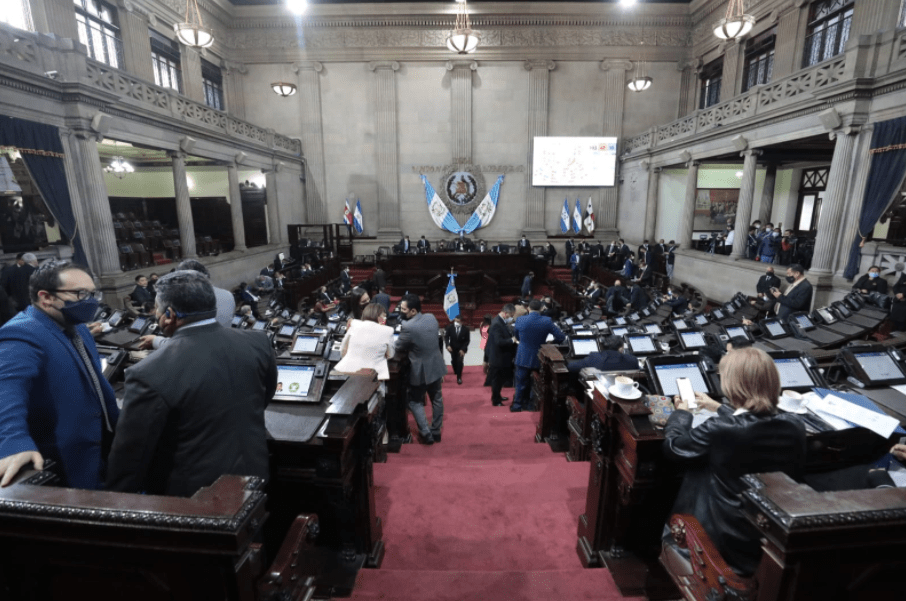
[(703, 575), (144, 256), (176, 249), (128, 258)]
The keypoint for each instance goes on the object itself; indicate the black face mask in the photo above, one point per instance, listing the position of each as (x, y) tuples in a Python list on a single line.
[(790, 279)]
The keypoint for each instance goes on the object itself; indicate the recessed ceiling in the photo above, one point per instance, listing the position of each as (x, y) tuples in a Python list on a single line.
[(139, 156)]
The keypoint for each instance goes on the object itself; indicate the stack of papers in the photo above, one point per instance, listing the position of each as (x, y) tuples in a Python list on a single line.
[(842, 413)]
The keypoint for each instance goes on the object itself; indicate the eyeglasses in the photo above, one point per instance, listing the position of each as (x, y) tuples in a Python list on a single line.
[(83, 294)]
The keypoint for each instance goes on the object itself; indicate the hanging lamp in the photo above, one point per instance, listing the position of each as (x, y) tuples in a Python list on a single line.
[(462, 39), (736, 23), (192, 32), (639, 81)]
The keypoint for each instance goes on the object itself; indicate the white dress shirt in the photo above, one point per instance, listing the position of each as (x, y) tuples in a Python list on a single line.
[(366, 345)]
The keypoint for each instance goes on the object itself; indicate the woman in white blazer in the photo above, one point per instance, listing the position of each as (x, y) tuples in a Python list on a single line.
[(367, 344)]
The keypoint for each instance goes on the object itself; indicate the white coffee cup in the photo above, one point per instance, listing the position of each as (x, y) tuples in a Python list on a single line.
[(624, 386), (790, 400)]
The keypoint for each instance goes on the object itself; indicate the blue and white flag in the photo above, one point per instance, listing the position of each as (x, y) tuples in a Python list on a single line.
[(451, 299), (577, 217), (564, 217), (444, 219), (357, 217)]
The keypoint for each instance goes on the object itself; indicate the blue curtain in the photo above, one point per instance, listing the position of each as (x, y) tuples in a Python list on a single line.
[(885, 177), (42, 152)]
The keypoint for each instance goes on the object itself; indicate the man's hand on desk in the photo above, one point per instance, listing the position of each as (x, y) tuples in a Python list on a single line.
[(146, 342), (899, 451), (10, 466)]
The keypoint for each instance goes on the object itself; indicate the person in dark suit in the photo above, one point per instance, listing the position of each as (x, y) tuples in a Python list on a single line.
[(456, 337), (671, 259), (177, 435), (524, 246), (551, 253), (423, 245), (612, 255), (646, 277), (531, 331), (898, 306), (575, 264), (766, 282), (638, 298), (7, 309), (748, 436), (612, 358), (247, 297), (141, 294), (405, 246), (501, 349), (482, 246), (676, 301), (593, 296), (345, 280), (584, 262), (871, 282), (797, 296), (527, 285), (616, 298), (382, 298), (56, 403), (379, 277), (570, 249), (418, 337), (14, 279), (625, 253)]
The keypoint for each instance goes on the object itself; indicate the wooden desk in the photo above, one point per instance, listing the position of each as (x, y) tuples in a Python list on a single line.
[(299, 290), (61, 543), (482, 277), (551, 386), (331, 475)]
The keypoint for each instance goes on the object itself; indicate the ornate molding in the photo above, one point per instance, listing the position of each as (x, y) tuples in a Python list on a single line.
[(616, 65), (530, 65), (308, 66), (392, 65), (472, 65)]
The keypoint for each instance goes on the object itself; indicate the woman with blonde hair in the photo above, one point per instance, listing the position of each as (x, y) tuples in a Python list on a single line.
[(368, 343), (747, 436)]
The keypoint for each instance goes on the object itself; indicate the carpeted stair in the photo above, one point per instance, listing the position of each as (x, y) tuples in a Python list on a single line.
[(487, 514)]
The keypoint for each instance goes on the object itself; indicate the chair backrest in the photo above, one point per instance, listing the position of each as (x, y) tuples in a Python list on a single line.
[(176, 242), (139, 248), (125, 249)]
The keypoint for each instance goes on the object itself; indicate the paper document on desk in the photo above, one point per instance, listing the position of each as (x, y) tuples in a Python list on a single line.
[(836, 407), (897, 474)]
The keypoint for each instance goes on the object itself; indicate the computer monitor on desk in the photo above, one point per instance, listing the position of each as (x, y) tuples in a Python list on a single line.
[(582, 347), (797, 371), (300, 382), (701, 319), (664, 370), (773, 329), (691, 340), (641, 344), (736, 332), (873, 366), (653, 328)]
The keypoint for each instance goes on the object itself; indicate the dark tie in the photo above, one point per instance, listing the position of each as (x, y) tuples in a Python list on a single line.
[(79, 344)]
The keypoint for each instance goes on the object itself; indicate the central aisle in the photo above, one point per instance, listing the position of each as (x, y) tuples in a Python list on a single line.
[(485, 514)]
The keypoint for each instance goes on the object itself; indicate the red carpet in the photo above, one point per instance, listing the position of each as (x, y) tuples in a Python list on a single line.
[(486, 514)]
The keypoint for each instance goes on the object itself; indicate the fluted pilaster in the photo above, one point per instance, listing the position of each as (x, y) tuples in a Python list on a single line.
[(856, 196), (688, 85), (461, 109), (729, 78), (191, 73), (312, 139), (539, 86), (57, 17), (873, 16), (236, 207), (766, 209), (614, 96), (387, 146), (136, 48), (786, 51), (233, 92), (746, 198), (90, 204), (654, 179), (183, 204), (684, 233), (829, 222), (274, 224)]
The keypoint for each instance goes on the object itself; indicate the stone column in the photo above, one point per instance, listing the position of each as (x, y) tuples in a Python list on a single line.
[(233, 93), (539, 85), (870, 17), (236, 207), (746, 197), (654, 180), (684, 232), (788, 49), (183, 204), (688, 85), (274, 225), (136, 41), (387, 148), (729, 86), (191, 73), (90, 203), (829, 222), (766, 208), (614, 96), (855, 197), (56, 17), (461, 109), (313, 140)]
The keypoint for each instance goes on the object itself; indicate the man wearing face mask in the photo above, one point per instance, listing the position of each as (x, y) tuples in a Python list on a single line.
[(176, 435), (797, 296), (871, 282), (56, 403), (768, 244)]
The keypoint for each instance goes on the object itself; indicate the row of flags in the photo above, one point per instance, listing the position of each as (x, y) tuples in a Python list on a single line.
[(576, 221), (354, 218)]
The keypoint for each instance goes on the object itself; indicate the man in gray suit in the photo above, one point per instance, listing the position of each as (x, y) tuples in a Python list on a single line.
[(178, 434), (418, 336)]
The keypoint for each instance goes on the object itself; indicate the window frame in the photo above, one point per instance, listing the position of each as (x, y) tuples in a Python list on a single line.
[(166, 61), (825, 15), (813, 183), (23, 16), (91, 23), (709, 83), (759, 51), (212, 85)]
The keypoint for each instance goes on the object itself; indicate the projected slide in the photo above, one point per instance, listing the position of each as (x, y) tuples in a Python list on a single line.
[(574, 161)]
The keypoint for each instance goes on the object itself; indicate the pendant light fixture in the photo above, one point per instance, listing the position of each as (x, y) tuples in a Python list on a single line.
[(283, 88), (192, 32), (639, 82), (736, 24), (119, 167), (462, 39)]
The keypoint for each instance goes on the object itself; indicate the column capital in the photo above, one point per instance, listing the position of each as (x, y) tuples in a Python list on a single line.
[(232, 67), (531, 65), (751, 152), (849, 130), (682, 65), (693, 163), (177, 154), (308, 66), (131, 7), (391, 65), (471, 65), (615, 65)]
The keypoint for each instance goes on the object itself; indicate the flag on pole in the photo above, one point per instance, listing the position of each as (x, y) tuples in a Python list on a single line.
[(451, 299), (590, 217), (357, 216), (577, 217), (564, 217), (347, 214)]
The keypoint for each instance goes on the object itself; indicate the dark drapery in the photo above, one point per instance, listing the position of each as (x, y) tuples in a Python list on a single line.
[(42, 152), (885, 177)]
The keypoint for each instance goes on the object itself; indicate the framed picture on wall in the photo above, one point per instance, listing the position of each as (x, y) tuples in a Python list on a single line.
[(714, 207)]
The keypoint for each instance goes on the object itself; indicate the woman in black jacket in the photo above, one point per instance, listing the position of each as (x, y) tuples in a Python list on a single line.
[(871, 282), (746, 437)]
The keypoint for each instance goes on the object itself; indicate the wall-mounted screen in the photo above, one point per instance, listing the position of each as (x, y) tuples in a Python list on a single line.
[(563, 161)]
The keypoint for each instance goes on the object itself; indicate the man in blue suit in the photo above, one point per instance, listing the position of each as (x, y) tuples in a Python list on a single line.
[(531, 332), (56, 403)]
